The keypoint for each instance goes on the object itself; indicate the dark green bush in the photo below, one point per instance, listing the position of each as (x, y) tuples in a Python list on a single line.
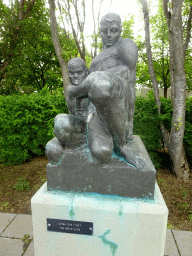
[(146, 125), (146, 122), (166, 113), (188, 130), (26, 124)]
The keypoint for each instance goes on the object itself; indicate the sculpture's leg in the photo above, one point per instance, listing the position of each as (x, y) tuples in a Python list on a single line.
[(109, 97), (106, 92), (99, 138), (69, 130)]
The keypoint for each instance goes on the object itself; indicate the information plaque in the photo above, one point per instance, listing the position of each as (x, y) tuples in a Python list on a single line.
[(70, 226)]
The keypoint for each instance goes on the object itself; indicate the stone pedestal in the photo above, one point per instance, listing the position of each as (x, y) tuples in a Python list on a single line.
[(120, 226), (78, 171)]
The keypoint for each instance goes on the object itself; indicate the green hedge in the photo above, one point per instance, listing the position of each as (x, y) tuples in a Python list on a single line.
[(146, 124), (188, 130), (26, 124)]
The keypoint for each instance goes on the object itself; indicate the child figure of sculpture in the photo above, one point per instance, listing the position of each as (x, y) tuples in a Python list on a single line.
[(101, 106), (70, 129)]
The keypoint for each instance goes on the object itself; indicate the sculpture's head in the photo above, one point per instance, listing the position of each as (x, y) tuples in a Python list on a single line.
[(110, 29), (77, 71)]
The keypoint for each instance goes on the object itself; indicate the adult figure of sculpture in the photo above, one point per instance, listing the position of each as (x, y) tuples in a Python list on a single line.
[(70, 129), (110, 88)]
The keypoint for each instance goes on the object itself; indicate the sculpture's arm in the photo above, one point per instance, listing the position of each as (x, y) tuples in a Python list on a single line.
[(128, 53), (77, 91)]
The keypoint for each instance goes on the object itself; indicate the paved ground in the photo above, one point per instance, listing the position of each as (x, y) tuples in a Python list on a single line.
[(15, 227)]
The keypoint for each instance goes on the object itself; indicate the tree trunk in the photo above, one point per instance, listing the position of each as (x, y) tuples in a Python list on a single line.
[(165, 92), (174, 140), (179, 81), (57, 45)]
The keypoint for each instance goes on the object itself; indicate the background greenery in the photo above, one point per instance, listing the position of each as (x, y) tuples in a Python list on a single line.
[(26, 124)]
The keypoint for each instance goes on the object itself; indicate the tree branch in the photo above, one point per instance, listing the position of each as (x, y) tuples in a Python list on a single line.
[(57, 45), (29, 8), (64, 30), (188, 36), (74, 32), (149, 54), (166, 12)]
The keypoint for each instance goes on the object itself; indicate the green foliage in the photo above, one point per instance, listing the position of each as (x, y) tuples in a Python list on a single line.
[(155, 158), (188, 130), (26, 124), (22, 185), (166, 113), (142, 70), (159, 36), (190, 217), (25, 239), (28, 48), (127, 27), (68, 45), (146, 122), (188, 67), (170, 226), (160, 48)]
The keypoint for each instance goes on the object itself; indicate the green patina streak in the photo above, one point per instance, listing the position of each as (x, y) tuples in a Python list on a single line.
[(113, 246), (72, 213), (120, 211)]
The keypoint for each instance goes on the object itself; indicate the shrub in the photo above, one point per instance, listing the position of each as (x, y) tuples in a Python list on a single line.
[(26, 124), (188, 131), (146, 123), (22, 185)]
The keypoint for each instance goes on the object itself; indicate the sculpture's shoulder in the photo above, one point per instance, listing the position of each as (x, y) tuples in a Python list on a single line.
[(128, 52)]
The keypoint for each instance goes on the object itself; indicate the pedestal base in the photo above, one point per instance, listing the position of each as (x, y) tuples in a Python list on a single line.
[(121, 226), (78, 171)]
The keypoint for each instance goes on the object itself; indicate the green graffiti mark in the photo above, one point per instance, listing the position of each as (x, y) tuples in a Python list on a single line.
[(113, 246)]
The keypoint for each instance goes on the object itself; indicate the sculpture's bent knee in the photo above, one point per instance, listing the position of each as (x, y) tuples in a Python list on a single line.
[(100, 87), (54, 151), (69, 130)]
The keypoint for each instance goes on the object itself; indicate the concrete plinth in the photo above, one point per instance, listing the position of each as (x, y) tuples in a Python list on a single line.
[(121, 226)]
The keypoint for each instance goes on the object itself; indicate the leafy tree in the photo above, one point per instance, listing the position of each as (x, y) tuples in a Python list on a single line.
[(12, 31), (33, 64), (159, 44), (127, 27), (177, 49)]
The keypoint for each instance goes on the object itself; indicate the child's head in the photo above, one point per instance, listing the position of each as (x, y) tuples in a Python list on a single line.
[(77, 71)]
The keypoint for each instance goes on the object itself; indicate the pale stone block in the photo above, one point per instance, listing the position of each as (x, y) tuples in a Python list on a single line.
[(121, 226)]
